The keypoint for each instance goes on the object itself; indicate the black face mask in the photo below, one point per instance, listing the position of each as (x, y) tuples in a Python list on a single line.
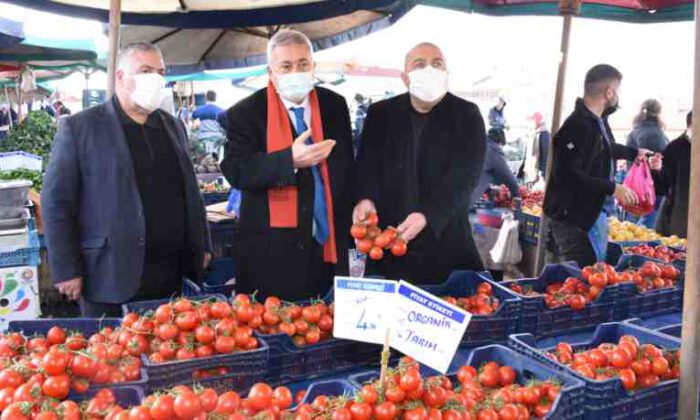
[(611, 109)]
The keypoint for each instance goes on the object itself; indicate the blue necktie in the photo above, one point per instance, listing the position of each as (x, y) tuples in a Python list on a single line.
[(320, 227)]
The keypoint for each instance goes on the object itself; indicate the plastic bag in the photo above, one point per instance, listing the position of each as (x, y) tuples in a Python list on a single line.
[(640, 181), (507, 248)]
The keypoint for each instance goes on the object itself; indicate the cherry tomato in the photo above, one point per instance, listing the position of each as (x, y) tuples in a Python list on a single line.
[(260, 396)]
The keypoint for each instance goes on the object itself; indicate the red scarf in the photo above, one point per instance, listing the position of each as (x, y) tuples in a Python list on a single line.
[(283, 200)]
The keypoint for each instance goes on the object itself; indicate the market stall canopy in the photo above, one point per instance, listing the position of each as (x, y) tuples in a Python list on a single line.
[(199, 35), (34, 49), (632, 11), (189, 51), (213, 14), (11, 32)]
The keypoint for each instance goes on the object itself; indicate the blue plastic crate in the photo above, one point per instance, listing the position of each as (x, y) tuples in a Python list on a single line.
[(330, 388), (126, 396), (631, 303), (617, 249), (657, 322), (215, 280), (250, 366), (608, 399), (246, 368), (86, 326), (460, 359), (569, 405), (214, 197), (24, 256), (289, 363), (144, 306), (223, 238), (482, 329), (541, 321)]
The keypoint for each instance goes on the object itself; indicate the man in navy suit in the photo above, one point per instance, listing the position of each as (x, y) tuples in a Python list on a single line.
[(123, 216)]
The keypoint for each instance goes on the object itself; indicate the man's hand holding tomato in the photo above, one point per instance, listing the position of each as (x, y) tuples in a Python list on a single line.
[(412, 226), (362, 209)]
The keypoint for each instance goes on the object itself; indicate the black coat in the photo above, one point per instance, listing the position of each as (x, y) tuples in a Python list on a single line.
[(93, 214), (280, 261), (673, 181), (580, 180), (451, 154)]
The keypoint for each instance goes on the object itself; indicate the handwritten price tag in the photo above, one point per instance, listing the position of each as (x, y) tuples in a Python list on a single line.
[(363, 308), (426, 327)]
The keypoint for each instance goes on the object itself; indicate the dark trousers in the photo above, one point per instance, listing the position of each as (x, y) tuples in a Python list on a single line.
[(572, 243)]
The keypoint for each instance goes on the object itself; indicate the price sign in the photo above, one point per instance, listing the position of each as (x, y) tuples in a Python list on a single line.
[(427, 328), (363, 308)]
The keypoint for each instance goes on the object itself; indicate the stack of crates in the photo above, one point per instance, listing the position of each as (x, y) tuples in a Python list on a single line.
[(19, 271)]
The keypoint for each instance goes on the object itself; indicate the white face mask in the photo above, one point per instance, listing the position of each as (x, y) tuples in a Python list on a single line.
[(148, 90), (428, 84), (294, 87)]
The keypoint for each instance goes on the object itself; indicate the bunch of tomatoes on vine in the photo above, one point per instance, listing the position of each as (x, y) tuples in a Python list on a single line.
[(374, 241), (186, 329), (488, 393), (638, 366), (482, 302), (43, 370)]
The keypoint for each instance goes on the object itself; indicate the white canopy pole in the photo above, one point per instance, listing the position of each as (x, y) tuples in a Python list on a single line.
[(115, 18), (690, 348), (567, 8)]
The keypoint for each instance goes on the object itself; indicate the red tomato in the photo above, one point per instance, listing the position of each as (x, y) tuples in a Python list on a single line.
[(369, 394), (489, 378), (208, 399), (224, 344), (341, 414), (187, 406), (648, 381), (229, 402), (659, 366), (506, 375), (163, 407), (399, 248), (56, 335), (204, 334), (435, 397), (395, 394), (376, 253), (282, 398), (358, 231), (361, 411), (410, 380), (260, 396), (628, 378), (385, 411), (56, 386), (620, 359)]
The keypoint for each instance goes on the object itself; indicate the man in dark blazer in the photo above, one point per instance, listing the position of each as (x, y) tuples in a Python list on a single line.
[(295, 207), (123, 216), (420, 158)]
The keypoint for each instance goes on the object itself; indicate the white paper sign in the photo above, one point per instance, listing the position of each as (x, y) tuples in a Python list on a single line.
[(363, 308), (427, 328)]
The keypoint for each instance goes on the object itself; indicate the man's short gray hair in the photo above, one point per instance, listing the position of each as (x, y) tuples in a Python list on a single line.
[(128, 50), (287, 37)]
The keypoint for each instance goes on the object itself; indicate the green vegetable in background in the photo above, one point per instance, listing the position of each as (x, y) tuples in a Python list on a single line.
[(34, 135), (36, 177)]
